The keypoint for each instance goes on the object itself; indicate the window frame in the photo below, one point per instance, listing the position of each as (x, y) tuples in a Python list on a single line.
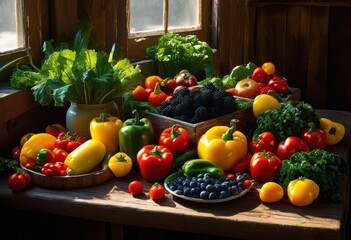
[(35, 28), (136, 44)]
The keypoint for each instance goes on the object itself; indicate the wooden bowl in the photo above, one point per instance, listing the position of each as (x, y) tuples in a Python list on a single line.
[(76, 181)]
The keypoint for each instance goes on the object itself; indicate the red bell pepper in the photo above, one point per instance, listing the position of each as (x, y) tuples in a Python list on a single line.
[(264, 166), (316, 138), (60, 155), (175, 139), (290, 146), (155, 162), (260, 75), (243, 165), (264, 141)]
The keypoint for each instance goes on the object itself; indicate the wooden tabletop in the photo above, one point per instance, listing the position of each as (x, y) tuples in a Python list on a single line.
[(246, 217)]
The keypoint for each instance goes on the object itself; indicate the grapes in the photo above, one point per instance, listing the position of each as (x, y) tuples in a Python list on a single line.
[(206, 187)]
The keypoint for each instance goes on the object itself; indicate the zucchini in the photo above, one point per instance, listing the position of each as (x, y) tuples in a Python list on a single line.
[(183, 157)]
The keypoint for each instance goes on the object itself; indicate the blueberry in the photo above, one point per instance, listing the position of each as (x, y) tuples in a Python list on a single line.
[(213, 195), (210, 188), (204, 195)]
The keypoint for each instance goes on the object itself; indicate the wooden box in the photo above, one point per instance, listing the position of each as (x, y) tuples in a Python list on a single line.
[(196, 130)]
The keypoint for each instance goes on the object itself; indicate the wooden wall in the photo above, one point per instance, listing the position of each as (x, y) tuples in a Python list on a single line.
[(308, 41)]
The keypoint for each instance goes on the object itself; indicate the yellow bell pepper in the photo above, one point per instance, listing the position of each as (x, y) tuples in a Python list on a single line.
[(33, 145), (85, 157), (223, 145), (302, 191), (120, 164), (105, 128), (335, 131)]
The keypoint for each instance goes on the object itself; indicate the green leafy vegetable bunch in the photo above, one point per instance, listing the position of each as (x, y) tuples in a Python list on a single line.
[(327, 169), (287, 120), (175, 52)]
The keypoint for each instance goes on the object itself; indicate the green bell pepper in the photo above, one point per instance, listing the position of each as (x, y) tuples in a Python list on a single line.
[(194, 167), (135, 134)]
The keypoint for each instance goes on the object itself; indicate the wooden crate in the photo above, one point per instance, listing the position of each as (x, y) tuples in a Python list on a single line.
[(196, 130)]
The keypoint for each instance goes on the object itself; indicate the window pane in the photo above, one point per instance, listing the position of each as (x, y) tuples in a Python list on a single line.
[(146, 15), (183, 14), (8, 26)]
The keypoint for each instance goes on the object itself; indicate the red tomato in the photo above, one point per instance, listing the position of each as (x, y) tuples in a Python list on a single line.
[(247, 183), (315, 138), (231, 176), (264, 166), (157, 191), (135, 187), (261, 85), (265, 90), (243, 165), (290, 146), (150, 82), (186, 79), (18, 181), (141, 94), (247, 88), (60, 155), (16, 152), (260, 75), (263, 142), (280, 85)]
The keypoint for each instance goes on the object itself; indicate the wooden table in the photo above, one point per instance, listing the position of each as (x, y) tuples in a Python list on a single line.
[(246, 217)]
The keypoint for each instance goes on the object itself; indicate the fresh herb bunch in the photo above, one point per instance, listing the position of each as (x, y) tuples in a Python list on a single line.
[(174, 53), (287, 120), (328, 170)]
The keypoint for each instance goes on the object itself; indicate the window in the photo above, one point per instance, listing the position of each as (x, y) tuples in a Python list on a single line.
[(11, 33), (147, 20)]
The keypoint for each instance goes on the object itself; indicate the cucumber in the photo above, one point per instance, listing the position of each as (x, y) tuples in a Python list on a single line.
[(183, 157)]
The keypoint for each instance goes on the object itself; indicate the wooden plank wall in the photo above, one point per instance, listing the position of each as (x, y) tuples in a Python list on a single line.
[(308, 41)]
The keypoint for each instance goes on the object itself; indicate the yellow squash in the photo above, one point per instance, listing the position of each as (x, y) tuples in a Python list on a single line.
[(223, 145), (85, 157)]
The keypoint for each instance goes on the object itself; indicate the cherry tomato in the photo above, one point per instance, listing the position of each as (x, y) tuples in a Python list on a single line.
[(18, 181), (135, 187), (231, 176), (247, 183), (279, 84), (247, 88), (157, 191), (271, 192), (16, 152), (266, 89), (150, 82)]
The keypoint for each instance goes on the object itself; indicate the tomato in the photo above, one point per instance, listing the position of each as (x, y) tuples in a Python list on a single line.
[(168, 85), (150, 82), (186, 79), (271, 192), (60, 155), (247, 183), (16, 152), (264, 141), (264, 102), (247, 88), (231, 176), (157, 191), (315, 138), (290, 146), (280, 85), (136, 187), (243, 165), (269, 68), (141, 94), (18, 181), (264, 166), (259, 75), (261, 85)]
